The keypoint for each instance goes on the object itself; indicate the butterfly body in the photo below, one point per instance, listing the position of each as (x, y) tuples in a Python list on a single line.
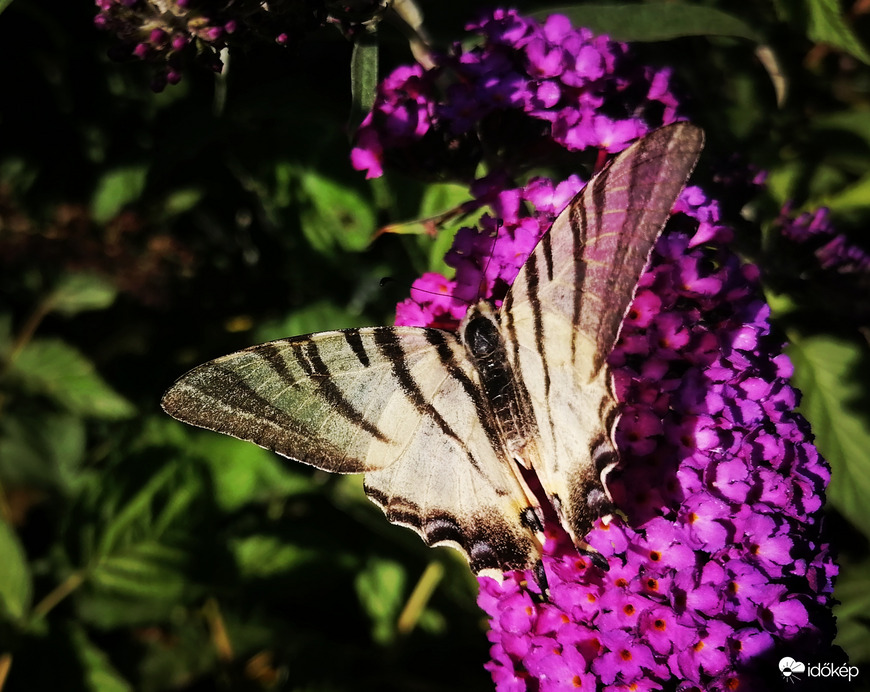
[(445, 426)]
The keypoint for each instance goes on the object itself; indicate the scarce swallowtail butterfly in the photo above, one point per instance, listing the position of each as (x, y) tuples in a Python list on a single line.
[(447, 426)]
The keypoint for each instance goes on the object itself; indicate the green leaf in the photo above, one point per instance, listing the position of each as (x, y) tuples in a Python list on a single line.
[(136, 537), (655, 21), (147, 513), (116, 189), (239, 472), (44, 451), (181, 200), (827, 25), (851, 197), (852, 590), (16, 585), (243, 472), (262, 556), (314, 317), (57, 370), (440, 198), (4, 4), (333, 215), (380, 588), (143, 570), (855, 121), (835, 402), (98, 672), (363, 76), (80, 292)]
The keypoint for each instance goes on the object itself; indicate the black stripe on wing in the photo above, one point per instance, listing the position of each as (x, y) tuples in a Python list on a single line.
[(217, 398), (532, 285), (391, 347), (488, 540), (476, 394), (354, 340), (579, 224), (306, 352)]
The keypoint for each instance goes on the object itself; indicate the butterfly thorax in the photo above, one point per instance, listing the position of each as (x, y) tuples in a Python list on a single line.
[(508, 397)]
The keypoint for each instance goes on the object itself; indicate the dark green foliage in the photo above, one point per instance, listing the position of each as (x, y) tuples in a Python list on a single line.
[(142, 234)]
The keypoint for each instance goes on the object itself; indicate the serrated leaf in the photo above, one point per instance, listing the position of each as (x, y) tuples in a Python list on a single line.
[(380, 588), (98, 672), (116, 189), (146, 570), (55, 369), (333, 215), (44, 451), (828, 25), (240, 472), (836, 405), (147, 513), (16, 585), (243, 473), (80, 292), (655, 21)]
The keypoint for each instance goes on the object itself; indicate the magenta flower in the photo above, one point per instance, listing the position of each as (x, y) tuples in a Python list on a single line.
[(720, 567), (833, 250), (719, 562), (546, 83)]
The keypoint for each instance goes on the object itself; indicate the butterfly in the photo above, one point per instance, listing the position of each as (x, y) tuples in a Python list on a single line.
[(451, 429)]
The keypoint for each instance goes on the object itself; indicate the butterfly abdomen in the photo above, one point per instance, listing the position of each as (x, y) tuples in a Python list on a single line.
[(506, 393)]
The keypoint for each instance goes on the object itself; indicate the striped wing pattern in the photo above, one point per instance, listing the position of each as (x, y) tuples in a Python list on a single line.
[(398, 404), (562, 316), (436, 422)]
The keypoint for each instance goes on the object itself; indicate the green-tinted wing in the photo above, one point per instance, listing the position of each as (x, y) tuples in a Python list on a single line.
[(562, 316), (399, 404)]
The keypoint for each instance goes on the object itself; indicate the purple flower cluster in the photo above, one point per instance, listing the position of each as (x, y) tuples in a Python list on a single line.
[(524, 92), (719, 567), (487, 259), (163, 32), (832, 250)]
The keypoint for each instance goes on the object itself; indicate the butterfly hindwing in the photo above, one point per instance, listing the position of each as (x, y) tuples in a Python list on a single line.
[(401, 405), (563, 313)]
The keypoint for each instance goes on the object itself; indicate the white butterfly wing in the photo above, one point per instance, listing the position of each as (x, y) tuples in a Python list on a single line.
[(401, 405), (562, 316)]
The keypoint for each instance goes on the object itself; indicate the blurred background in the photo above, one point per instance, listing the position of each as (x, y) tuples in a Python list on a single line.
[(143, 232)]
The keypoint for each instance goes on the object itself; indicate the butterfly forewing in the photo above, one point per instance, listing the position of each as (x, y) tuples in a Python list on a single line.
[(562, 316), (399, 404), (438, 424)]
